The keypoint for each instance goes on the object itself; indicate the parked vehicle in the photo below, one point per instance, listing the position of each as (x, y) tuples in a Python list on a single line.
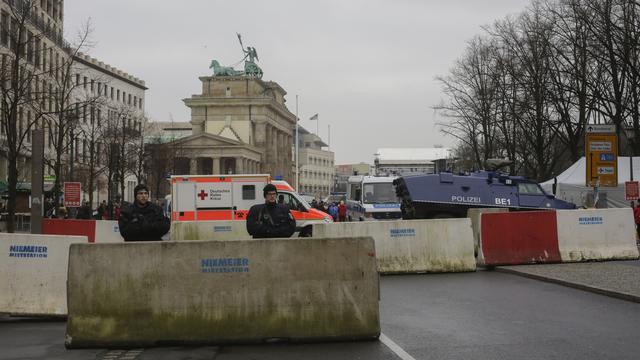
[(371, 198), (229, 197), (447, 195)]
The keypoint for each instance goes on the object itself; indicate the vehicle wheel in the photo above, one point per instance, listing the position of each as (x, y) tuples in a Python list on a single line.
[(361, 219), (306, 232), (442, 216), (349, 218)]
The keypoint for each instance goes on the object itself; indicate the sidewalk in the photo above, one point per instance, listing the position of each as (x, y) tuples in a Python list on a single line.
[(620, 279)]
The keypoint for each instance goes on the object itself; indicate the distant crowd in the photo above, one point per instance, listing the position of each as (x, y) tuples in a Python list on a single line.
[(104, 211), (338, 211)]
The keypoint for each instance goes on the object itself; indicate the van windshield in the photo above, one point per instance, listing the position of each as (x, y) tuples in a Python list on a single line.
[(379, 193)]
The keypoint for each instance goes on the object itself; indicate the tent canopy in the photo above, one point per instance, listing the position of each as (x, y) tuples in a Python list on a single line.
[(571, 184)]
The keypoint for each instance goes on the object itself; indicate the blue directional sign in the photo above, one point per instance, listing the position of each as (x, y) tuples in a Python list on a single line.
[(606, 157)]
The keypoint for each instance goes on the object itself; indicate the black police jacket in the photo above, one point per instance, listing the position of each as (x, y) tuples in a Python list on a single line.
[(270, 221), (146, 223)]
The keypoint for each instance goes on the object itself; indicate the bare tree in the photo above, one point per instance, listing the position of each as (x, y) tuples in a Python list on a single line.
[(22, 101), (73, 106)]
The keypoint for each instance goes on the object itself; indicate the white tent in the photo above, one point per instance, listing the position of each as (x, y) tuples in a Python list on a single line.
[(571, 184)]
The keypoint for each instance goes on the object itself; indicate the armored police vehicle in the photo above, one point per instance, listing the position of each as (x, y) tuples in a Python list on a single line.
[(447, 195)]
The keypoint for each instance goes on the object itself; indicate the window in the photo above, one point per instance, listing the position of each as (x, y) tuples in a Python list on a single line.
[(92, 82), (36, 57), (248, 192), (4, 29), (118, 95), (77, 79), (129, 100), (30, 41), (84, 84), (529, 189), (112, 93), (289, 201)]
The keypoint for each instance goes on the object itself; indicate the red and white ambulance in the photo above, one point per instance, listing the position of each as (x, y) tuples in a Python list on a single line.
[(229, 197)]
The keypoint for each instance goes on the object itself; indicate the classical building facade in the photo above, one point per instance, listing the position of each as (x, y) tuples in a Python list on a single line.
[(240, 125)]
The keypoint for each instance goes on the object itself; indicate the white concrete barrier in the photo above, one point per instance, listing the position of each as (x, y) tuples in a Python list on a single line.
[(596, 234), (413, 246), (108, 231), (33, 273), (476, 224), (217, 292), (220, 230)]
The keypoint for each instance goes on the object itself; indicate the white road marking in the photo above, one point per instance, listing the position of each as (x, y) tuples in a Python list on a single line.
[(395, 348)]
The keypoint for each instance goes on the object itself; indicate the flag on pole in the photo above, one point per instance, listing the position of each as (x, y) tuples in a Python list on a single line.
[(314, 117)]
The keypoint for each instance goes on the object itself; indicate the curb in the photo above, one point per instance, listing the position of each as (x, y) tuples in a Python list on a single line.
[(575, 285)]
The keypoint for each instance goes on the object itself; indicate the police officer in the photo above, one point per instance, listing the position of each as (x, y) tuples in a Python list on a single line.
[(270, 220), (142, 220)]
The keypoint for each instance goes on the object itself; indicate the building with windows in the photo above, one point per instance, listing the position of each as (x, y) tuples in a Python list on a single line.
[(411, 161), (316, 165), (342, 173), (109, 102), (59, 85)]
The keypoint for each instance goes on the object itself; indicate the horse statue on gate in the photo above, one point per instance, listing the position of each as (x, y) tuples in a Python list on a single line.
[(219, 70)]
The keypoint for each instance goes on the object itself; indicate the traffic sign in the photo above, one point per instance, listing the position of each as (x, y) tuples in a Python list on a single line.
[(601, 149), (631, 190), (600, 129), (72, 194)]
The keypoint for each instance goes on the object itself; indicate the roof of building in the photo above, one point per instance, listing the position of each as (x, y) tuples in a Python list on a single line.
[(391, 155)]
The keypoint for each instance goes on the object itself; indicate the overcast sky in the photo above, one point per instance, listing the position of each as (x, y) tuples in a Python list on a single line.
[(367, 68)]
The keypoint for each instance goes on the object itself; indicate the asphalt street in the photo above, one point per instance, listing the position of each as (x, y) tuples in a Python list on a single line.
[(481, 315)]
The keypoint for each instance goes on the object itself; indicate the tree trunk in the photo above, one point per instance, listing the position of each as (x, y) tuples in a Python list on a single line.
[(13, 192)]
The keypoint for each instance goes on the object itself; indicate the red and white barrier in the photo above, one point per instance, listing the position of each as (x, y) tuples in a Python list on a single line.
[(99, 231), (557, 236), (526, 237)]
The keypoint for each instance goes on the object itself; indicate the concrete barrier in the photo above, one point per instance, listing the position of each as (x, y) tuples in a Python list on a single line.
[(70, 227), (94, 230), (525, 237), (219, 230), (476, 226), (217, 292), (596, 234), (107, 231), (33, 273), (413, 246)]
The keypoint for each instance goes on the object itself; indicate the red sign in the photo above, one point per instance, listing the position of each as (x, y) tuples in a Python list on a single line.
[(631, 190), (72, 194)]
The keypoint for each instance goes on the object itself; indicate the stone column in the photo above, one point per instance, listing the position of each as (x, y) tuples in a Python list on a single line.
[(216, 165), (239, 167), (193, 166)]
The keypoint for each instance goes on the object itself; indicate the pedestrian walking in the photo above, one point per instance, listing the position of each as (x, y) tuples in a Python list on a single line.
[(84, 213), (270, 220), (342, 212), (333, 211), (636, 217), (142, 220)]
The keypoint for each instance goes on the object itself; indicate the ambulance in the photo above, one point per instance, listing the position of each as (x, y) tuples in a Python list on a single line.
[(229, 197)]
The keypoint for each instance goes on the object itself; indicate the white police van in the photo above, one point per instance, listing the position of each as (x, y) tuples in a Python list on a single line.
[(372, 198)]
